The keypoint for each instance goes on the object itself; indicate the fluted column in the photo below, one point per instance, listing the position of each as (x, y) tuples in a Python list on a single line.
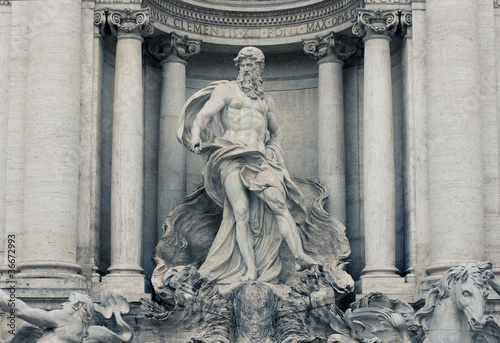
[(455, 135), (127, 150), (52, 147), (377, 27), (331, 150), (173, 51)]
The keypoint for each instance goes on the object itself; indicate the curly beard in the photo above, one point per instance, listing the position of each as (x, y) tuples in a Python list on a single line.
[(251, 84)]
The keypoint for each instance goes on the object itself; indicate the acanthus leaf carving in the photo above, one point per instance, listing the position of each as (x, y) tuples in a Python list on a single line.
[(183, 46), (376, 22), (329, 46), (320, 47), (132, 22)]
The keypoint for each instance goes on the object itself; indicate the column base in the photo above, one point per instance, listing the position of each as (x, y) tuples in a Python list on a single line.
[(392, 285), (38, 287), (132, 285)]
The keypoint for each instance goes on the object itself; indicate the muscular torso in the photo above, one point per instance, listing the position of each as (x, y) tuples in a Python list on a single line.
[(66, 334), (245, 119)]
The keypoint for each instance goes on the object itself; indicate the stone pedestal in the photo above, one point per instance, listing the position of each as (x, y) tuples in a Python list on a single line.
[(127, 153), (52, 151), (173, 51), (455, 135)]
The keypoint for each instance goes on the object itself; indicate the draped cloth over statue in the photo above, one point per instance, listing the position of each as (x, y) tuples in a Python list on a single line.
[(258, 171)]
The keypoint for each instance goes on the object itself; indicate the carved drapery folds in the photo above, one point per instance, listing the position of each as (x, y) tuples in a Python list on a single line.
[(329, 47), (183, 47), (130, 23)]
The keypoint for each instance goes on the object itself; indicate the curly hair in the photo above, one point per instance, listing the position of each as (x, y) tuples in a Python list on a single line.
[(252, 53), (84, 307)]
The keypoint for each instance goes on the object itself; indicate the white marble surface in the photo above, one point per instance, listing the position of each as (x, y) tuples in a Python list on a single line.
[(378, 158), (490, 130), (331, 146), (5, 19), (52, 137), (171, 157), (127, 158), (455, 134), (14, 208)]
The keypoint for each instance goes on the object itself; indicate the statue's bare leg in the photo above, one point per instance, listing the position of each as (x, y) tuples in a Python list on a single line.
[(288, 229), (239, 200)]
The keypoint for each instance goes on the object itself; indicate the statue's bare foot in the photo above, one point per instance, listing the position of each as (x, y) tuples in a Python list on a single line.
[(250, 275), (304, 262)]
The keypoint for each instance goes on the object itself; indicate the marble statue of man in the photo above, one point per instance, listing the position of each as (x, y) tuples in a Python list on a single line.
[(70, 324), (234, 125)]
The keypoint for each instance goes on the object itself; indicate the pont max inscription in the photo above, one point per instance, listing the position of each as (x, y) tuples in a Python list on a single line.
[(228, 31)]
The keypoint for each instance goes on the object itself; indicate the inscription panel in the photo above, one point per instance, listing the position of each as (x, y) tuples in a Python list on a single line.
[(239, 32)]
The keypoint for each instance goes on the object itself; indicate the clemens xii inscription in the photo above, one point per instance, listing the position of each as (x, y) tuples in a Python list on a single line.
[(237, 31)]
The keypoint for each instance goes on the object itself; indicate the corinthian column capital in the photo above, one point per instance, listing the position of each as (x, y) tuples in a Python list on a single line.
[(329, 48), (376, 22), (183, 47), (130, 23)]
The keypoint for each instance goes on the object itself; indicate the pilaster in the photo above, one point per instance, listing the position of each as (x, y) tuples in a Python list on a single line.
[(5, 27), (329, 51), (173, 52)]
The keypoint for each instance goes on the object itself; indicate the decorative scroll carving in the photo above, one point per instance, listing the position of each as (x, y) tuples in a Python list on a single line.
[(184, 47), (100, 20), (5, 2), (376, 22), (496, 3), (329, 46), (406, 20), (130, 22), (320, 47)]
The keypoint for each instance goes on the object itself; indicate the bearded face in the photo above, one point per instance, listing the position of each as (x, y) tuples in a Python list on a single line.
[(249, 79)]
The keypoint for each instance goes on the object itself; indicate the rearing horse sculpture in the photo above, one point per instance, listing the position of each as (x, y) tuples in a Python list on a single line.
[(454, 309)]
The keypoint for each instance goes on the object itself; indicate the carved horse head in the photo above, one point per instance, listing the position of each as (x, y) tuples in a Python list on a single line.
[(466, 289)]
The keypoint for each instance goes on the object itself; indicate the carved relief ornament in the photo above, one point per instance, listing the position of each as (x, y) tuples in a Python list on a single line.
[(183, 47), (376, 22), (128, 22), (100, 19), (329, 47)]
